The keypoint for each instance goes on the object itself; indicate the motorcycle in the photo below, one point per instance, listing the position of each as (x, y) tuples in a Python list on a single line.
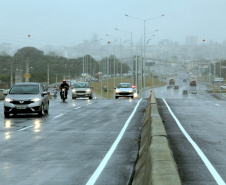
[(63, 94)]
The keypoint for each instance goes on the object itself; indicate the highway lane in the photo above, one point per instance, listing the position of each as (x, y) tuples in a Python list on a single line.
[(67, 145), (203, 118)]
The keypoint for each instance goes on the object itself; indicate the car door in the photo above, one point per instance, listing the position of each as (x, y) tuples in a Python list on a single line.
[(45, 97)]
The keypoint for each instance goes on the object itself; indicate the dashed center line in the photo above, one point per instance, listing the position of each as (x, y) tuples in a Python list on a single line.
[(25, 128), (217, 105), (58, 116), (77, 108)]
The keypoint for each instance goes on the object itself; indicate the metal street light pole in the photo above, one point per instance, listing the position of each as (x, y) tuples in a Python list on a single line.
[(131, 54), (144, 20)]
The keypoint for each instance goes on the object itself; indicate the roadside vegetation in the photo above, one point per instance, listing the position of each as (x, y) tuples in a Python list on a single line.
[(97, 85)]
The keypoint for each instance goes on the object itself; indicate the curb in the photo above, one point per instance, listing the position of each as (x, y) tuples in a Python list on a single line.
[(155, 164)]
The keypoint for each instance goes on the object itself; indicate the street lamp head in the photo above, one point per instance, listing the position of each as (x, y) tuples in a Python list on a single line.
[(116, 28), (107, 35), (163, 15), (126, 15)]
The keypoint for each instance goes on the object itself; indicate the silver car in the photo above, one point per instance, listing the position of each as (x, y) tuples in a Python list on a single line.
[(82, 89), (124, 90), (26, 97)]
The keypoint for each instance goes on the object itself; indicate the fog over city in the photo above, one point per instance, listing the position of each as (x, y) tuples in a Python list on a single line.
[(72, 28)]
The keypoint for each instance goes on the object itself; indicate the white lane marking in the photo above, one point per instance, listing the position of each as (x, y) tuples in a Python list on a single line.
[(77, 108), (25, 128), (210, 167), (217, 105), (208, 101), (103, 163), (58, 116)]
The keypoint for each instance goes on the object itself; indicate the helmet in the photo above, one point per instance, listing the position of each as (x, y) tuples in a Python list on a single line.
[(64, 81)]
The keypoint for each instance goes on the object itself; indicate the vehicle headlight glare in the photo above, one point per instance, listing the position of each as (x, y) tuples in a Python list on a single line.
[(36, 99), (117, 91), (73, 90), (130, 91), (8, 100), (88, 90)]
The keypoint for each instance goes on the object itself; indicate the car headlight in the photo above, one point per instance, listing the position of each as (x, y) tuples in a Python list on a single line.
[(130, 91), (73, 90), (88, 90), (117, 91), (36, 99), (8, 100)]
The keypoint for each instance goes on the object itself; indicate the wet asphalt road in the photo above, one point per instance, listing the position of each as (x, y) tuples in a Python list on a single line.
[(68, 145), (203, 118)]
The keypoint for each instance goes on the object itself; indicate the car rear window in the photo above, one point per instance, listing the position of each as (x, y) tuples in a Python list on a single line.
[(24, 89)]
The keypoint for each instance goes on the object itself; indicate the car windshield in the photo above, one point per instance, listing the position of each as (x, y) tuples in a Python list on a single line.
[(81, 85), (24, 89), (124, 86)]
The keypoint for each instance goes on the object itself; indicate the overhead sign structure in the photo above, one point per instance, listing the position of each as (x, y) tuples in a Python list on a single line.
[(27, 75)]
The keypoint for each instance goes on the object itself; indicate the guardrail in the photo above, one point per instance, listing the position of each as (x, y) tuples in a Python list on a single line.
[(156, 164)]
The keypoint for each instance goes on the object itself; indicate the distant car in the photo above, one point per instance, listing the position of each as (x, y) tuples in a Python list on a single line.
[(176, 87), (184, 80), (26, 97), (82, 89), (223, 86), (194, 92), (57, 87), (185, 92), (124, 90), (52, 92), (169, 87)]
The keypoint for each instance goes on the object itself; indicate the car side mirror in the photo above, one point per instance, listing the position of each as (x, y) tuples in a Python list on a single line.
[(44, 93), (115, 88), (5, 93)]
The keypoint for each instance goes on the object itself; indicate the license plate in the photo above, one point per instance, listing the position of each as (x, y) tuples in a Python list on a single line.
[(21, 107)]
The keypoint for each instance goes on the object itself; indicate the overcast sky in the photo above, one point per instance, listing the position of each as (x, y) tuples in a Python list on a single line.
[(70, 22)]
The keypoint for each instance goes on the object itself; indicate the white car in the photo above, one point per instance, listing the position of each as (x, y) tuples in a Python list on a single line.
[(223, 86), (124, 90)]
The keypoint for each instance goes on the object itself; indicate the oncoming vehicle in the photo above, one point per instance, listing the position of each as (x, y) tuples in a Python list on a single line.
[(185, 92), (124, 90), (26, 97), (82, 89)]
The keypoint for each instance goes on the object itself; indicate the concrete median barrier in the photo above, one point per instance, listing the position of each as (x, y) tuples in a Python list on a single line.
[(155, 164)]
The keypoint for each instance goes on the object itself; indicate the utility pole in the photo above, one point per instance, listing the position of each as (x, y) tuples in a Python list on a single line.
[(11, 76), (27, 68), (48, 71)]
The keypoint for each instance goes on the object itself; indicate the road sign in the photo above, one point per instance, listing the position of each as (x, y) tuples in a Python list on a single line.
[(27, 75)]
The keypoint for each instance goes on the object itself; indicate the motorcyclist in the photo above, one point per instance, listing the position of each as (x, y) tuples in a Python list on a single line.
[(64, 85)]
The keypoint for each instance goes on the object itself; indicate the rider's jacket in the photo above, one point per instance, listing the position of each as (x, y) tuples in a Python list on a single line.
[(64, 85)]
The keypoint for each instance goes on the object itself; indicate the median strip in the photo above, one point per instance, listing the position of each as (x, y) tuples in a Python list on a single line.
[(156, 164)]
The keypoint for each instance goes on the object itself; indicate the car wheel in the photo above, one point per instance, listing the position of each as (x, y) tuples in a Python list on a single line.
[(116, 97), (90, 97), (47, 110), (131, 97), (6, 114), (41, 111)]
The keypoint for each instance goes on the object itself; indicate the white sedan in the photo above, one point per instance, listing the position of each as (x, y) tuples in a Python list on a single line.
[(124, 90)]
